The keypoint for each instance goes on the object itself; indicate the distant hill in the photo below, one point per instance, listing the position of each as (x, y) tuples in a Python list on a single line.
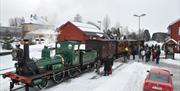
[(159, 36)]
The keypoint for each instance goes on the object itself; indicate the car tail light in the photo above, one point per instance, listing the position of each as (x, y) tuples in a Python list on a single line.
[(146, 84), (169, 88)]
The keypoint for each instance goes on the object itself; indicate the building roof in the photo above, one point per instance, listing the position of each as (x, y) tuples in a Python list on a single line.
[(170, 39), (178, 20), (86, 27), (44, 32)]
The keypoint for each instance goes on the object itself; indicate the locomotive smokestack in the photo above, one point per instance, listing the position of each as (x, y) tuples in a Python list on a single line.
[(26, 49)]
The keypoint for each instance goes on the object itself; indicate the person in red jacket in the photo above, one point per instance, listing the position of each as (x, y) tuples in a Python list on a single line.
[(154, 53)]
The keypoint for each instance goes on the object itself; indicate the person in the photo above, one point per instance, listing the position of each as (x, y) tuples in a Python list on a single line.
[(111, 64), (125, 54), (45, 52), (148, 55), (133, 52), (142, 54), (98, 64), (17, 53), (154, 51), (158, 54), (106, 66)]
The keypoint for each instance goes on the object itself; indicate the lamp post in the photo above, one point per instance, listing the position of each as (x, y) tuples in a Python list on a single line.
[(139, 18)]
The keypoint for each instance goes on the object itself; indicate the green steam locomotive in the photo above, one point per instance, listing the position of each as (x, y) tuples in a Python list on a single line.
[(69, 61)]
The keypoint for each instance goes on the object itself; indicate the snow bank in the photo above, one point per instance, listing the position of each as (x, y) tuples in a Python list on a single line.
[(6, 62), (170, 61), (130, 78), (177, 56)]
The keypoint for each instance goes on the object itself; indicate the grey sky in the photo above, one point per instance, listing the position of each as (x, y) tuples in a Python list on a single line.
[(159, 12)]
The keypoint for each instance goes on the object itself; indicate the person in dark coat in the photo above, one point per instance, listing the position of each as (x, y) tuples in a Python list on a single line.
[(106, 66), (158, 54), (45, 52), (98, 64), (148, 55), (133, 52), (110, 65), (18, 55)]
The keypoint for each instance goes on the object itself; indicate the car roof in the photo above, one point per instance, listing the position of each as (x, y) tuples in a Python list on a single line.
[(160, 71)]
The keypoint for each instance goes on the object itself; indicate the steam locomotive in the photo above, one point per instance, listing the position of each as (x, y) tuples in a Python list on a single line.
[(68, 61)]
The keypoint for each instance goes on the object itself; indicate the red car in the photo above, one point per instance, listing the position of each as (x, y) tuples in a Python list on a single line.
[(158, 80)]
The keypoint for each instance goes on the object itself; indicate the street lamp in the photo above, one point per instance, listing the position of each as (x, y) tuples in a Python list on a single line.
[(139, 17)]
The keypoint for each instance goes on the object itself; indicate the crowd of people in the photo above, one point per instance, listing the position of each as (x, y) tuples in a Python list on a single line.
[(148, 53)]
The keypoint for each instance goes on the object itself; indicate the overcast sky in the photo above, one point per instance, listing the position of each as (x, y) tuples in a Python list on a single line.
[(159, 13)]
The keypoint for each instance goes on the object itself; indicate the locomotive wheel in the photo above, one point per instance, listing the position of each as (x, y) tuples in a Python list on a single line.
[(58, 77), (43, 83)]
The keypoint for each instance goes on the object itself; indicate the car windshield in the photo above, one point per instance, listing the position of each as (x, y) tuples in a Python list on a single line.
[(159, 78)]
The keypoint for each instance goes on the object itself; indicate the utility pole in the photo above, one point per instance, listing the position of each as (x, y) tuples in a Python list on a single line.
[(139, 18)]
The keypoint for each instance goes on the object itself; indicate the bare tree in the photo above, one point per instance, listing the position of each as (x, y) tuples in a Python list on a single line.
[(133, 35), (17, 21), (106, 23), (147, 35)]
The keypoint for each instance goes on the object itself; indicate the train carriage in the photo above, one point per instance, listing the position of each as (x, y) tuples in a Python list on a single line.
[(105, 48)]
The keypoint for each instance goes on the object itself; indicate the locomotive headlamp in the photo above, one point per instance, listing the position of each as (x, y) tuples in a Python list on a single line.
[(26, 41)]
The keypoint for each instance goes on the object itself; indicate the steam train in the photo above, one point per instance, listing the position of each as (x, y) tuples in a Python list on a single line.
[(69, 61)]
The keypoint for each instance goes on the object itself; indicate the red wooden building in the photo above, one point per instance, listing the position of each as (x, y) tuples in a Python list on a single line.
[(173, 42), (77, 31)]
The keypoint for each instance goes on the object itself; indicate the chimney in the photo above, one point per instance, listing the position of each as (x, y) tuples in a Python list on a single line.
[(26, 49)]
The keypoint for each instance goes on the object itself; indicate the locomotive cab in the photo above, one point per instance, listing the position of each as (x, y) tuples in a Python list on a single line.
[(69, 51)]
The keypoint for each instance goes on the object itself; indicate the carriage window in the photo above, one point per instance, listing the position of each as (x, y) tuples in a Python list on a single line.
[(70, 46), (75, 47), (58, 45), (82, 47)]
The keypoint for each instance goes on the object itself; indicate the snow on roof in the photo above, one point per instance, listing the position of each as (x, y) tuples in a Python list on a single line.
[(100, 35), (39, 20), (150, 43), (44, 31), (170, 39), (86, 27), (174, 22)]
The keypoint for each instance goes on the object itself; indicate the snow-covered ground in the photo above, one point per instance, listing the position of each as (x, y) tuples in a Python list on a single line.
[(170, 61), (128, 77)]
